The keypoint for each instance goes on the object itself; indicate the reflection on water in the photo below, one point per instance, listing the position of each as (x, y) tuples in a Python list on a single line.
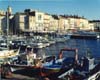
[(81, 44)]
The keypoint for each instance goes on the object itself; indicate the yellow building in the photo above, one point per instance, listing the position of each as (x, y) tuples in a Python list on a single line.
[(78, 23), (2, 18), (63, 24), (47, 18), (53, 23), (72, 23), (84, 24), (34, 20)]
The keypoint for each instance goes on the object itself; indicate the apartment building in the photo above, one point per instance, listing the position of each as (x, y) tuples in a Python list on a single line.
[(96, 24), (91, 26), (77, 23), (37, 21), (34, 20), (54, 23), (2, 18), (63, 24), (19, 22), (46, 23), (84, 24)]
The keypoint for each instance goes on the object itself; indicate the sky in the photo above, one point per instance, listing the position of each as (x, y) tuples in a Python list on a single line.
[(90, 9)]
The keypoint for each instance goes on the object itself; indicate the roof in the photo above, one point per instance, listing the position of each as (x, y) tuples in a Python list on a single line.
[(55, 16), (73, 16)]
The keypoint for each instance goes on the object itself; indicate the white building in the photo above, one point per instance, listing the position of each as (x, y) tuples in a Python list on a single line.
[(96, 24), (35, 20), (2, 20)]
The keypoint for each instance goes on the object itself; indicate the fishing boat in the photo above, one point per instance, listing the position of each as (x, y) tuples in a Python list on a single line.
[(61, 62), (34, 66), (87, 69)]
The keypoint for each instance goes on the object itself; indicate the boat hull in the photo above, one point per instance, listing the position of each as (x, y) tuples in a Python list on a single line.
[(33, 71)]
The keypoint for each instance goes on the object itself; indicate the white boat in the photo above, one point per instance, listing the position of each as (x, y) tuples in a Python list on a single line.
[(36, 44), (8, 54), (60, 39)]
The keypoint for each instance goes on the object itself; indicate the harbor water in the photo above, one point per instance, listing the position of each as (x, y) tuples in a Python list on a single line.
[(82, 45)]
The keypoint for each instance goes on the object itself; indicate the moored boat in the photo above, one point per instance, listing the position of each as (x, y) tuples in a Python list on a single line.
[(34, 64)]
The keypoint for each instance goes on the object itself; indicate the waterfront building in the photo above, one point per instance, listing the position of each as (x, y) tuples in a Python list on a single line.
[(77, 23), (35, 20), (91, 26), (39, 21), (54, 26), (29, 21), (19, 22), (84, 24), (63, 24), (46, 22), (5, 18), (96, 24), (2, 16), (72, 23)]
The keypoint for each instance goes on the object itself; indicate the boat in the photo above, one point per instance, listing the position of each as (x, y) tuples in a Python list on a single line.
[(38, 42), (85, 35), (6, 55), (59, 39), (5, 52), (42, 68), (61, 62), (87, 69)]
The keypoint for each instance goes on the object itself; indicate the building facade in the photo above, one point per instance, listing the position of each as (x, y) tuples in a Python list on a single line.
[(46, 23), (2, 20), (84, 24), (19, 22), (96, 24), (54, 26), (37, 21), (34, 20)]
